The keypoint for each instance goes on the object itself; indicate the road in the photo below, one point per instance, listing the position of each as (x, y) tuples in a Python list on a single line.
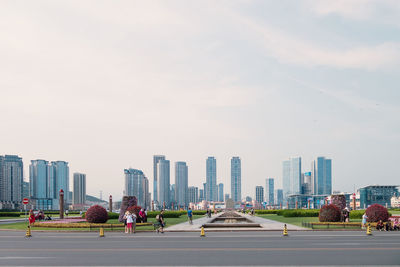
[(217, 248)]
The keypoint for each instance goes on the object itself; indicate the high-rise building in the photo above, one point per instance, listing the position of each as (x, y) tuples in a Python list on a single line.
[(236, 179), (156, 159), (279, 197), (181, 181), (135, 185), (25, 190), (193, 194), (321, 176), (269, 191), (211, 179), (201, 195), (292, 177), (307, 187), (11, 179), (59, 173), (226, 197), (204, 191), (259, 194), (79, 194), (163, 183), (147, 194), (39, 180), (221, 192), (172, 197)]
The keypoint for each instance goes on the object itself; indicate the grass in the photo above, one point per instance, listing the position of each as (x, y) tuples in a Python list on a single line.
[(298, 220), (169, 222), (8, 218)]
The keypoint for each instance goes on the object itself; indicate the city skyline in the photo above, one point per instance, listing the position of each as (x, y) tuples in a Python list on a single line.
[(253, 79)]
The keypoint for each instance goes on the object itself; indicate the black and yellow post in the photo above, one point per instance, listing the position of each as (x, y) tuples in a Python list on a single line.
[(202, 232), (28, 232), (285, 232), (369, 232), (101, 233)]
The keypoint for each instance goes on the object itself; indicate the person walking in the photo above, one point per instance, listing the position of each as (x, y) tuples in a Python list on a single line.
[(190, 215), (31, 217), (160, 220), (364, 220), (125, 218)]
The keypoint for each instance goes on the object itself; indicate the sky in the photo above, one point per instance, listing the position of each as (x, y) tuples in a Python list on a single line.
[(105, 85)]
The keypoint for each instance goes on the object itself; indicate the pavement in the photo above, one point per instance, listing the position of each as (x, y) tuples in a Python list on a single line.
[(266, 225), (300, 248)]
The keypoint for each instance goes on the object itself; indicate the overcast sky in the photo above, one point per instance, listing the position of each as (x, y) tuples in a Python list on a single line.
[(105, 85)]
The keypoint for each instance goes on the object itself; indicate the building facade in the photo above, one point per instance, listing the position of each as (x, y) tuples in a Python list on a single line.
[(270, 191), (292, 177), (211, 179), (163, 183), (181, 181), (236, 179), (135, 185), (201, 195), (79, 193), (11, 180), (156, 159), (221, 192), (260, 194), (377, 194), (193, 193), (321, 176), (59, 173), (279, 197)]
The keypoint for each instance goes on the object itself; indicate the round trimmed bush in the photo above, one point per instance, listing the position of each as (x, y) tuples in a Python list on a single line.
[(376, 213), (339, 201), (329, 213), (96, 214)]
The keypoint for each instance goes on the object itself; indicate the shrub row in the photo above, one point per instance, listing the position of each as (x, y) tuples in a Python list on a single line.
[(291, 213), (9, 214), (266, 211)]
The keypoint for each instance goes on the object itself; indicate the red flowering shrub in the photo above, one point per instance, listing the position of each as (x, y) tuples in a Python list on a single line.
[(329, 213), (339, 201), (376, 213), (96, 214)]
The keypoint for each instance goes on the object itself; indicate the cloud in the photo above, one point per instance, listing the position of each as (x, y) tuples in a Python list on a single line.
[(290, 49)]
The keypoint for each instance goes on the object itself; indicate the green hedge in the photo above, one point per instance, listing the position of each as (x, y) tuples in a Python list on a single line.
[(356, 214), (199, 212), (266, 211), (113, 215), (9, 214), (300, 213)]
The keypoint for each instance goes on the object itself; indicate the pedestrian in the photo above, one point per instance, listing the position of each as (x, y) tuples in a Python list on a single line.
[(141, 215), (380, 226), (190, 215), (364, 220), (134, 218), (145, 215), (161, 221), (125, 218), (31, 217), (129, 222), (66, 213)]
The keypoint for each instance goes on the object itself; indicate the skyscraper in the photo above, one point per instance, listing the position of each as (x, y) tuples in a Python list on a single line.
[(39, 179), (163, 182), (221, 192), (135, 185), (11, 179), (321, 176), (156, 159), (79, 193), (236, 179), (201, 195), (269, 191), (279, 197), (292, 177), (181, 181), (211, 179), (172, 197), (59, 172), (259, 194), (193, 193)]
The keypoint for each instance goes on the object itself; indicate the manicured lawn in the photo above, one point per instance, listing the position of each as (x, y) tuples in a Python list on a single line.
[(8, 218), (169, 222)]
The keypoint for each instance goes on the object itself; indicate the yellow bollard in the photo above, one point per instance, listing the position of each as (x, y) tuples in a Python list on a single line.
[(202, 232), (101, 232), (28, 232), (285, 232), (369, 230)]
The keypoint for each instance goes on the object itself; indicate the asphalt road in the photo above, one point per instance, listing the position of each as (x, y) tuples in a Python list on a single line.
[(217, 248)]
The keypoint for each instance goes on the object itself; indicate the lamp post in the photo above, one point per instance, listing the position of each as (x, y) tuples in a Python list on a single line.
[(110, 203)]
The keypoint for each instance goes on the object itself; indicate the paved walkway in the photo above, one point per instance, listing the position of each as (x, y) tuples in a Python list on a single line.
[(266, 225)]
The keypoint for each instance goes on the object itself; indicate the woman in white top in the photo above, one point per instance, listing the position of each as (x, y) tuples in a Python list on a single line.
[(364, 220)]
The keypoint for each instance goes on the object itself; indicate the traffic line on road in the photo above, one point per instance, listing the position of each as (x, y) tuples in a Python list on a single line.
[(190, 249)]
